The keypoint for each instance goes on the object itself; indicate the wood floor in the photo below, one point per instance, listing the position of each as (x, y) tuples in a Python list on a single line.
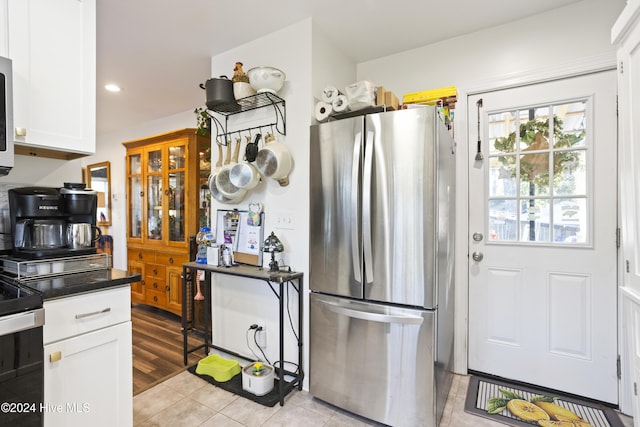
[(157, 347)]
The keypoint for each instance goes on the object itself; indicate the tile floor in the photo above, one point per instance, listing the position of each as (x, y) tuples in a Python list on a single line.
[(187, 401)]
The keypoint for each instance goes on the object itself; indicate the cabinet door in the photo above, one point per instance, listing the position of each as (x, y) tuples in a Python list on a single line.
[(53, 47), (137, 288), (175, 193), (153, 194), (88, 379), (135, 197), (174, 290)]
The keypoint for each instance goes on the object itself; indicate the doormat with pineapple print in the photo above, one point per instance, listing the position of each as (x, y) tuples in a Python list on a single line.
[(519, 405)]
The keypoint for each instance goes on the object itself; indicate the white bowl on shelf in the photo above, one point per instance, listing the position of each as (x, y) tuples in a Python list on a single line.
[(266, 79)]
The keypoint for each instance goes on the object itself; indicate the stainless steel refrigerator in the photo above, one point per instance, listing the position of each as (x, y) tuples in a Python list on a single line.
[(381, 301)]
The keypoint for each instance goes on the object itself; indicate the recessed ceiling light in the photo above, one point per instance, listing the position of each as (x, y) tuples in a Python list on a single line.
[(111, 87)]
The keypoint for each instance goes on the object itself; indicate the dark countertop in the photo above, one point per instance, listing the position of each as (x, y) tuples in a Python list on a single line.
[(71, 284)]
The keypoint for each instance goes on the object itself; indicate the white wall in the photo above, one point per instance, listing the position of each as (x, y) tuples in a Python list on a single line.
[(237, 303), (560, 36)]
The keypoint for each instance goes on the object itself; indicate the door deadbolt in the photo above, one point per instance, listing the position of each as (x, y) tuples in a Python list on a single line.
[(477, 237), (477, 256)]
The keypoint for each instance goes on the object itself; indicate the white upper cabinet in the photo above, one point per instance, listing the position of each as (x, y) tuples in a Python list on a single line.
[(53, 47)]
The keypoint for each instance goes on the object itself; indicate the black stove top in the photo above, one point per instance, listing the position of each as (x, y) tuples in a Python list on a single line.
[(16, 298)]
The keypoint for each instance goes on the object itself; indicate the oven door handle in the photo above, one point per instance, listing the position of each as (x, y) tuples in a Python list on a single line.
[(21, 321)]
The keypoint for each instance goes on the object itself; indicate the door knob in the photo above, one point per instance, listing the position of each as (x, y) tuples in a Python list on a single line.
[(477, 256), (477, 237)]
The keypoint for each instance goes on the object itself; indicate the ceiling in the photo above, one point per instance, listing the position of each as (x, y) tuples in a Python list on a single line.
[(158, 51)]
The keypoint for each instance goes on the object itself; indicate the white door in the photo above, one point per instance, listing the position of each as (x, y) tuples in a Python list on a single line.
[(542, 244)]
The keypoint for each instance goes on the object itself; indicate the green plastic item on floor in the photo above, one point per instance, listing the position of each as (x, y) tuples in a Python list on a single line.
[(218, 367)]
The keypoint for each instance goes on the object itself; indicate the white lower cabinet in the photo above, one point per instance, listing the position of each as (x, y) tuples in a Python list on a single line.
[(88, 375)]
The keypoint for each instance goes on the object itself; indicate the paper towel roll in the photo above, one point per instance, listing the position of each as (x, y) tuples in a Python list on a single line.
[(329, 94), (323, 110), (340, 104)]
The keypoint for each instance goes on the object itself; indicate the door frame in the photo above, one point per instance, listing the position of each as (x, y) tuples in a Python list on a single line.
[(597, 63)]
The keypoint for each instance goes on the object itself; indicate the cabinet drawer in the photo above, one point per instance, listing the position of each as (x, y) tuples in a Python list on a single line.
[(156, 298), (141, 255), (171, 260), (155, 270), (75, 315), (155, 284)]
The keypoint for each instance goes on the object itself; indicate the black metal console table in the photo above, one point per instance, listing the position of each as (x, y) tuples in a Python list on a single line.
[(280, 278)]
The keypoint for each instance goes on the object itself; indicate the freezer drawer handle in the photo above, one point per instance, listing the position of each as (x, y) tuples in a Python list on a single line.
[(355, 242), (375, 317)]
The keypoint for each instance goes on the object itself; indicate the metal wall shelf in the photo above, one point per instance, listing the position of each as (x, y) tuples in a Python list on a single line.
[(253, 102)]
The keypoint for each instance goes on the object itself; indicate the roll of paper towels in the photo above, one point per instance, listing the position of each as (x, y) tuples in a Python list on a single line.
[(329, 94), (340, 104), (323, 110)]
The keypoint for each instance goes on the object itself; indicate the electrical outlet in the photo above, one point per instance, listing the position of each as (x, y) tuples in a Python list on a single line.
[(261, 336)]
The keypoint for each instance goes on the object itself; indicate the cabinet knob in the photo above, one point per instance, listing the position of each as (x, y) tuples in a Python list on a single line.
[(155, 271), (55, 356), (167, 288), (21, 132), (155, 298), (167, 192), (155, 285), (143, 282), (139, 255), (142, 194), (170, 260)]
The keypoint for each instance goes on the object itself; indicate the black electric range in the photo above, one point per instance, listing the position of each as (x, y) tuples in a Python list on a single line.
[(17, 298)]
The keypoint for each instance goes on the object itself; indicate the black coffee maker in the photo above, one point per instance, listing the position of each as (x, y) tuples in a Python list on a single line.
[(42, 219)]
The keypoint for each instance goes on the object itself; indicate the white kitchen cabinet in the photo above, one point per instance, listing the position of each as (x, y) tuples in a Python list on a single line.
[(625, 35), (53, 47), (88, 360)]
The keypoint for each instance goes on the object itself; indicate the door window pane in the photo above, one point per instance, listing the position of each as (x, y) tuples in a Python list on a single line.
[(570, 220), (503, 220), (504, 175), (538, 179), (570, 124)]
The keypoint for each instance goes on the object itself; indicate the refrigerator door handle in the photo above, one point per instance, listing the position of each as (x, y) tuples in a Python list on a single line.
[(355, 241), (374, 317), (366, 207)]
